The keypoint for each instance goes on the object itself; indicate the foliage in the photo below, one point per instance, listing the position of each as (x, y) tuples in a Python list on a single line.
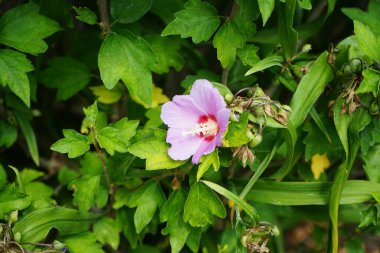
[(85, 160)]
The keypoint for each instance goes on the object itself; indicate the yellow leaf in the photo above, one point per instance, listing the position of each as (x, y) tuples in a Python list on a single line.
[(107, 96), (319, 163), (158, 97)]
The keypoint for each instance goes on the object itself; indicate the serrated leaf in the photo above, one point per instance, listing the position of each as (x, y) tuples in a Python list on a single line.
[(201, 204), (227, 40), (85, 189), (85, 15), (172, 213), (155, 151), (266, 63), (236, 132), (10, 134), (121, 58), (369, 43), (83, 242), (206, 162), (248, 55), (67, 75), (74, 144), (13, 69), (266, 9), (370, 82), (107, 231), (117, 136), (91, 113), (368, 217), (158, 97), (35, 226), (199, 21), (29, 175), (371, 164), (129, 11), (124, 217), (24, 29), (65, 175), (167, 52), (147, 199)]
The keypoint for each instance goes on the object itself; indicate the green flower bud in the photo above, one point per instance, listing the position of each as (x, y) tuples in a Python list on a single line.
[(13, 216), (374, 109), (17, 237), (255, 141), (58, 245), (275, 231), (228, 98)]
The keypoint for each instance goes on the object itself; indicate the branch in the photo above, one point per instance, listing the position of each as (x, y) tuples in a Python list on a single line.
[(104, 17)]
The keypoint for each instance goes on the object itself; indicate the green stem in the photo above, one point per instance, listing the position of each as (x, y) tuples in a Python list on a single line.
[(263, 165)]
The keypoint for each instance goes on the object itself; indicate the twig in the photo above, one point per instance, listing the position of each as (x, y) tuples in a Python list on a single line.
[(104, 17)]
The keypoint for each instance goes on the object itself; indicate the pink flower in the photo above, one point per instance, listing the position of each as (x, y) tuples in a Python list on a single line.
[(196, 122)]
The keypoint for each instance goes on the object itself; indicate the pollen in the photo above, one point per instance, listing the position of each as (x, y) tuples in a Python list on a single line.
[(207, 127)]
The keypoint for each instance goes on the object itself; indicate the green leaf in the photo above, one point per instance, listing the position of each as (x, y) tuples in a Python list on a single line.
[(107, 231), (316, 143), (65, 175), (124, 218), (155, 151), (24, 29), (167, 52), (91, 164), (29, 175), (172, 213), (29, 135), (11, 199), (67, 75), (116, 137), (237, 200), (370, 83), (266, 63), (10, 134), (3, 176), (206, 162), (83, 242), (35, 226), (372, 166), (74, 144), (248, 55), (266, 9), (91, 113), (293, 193), (129, 11), (199, 20), (13, 69), (309, 89), (369, 43), (107, 96), (130, 61), (85, 15), (236, 132), (40, 195), (368, 217), (147, 199), (201, 204), (288, 36), (369, 18), (85, 189), (226, 41), (305, 4)]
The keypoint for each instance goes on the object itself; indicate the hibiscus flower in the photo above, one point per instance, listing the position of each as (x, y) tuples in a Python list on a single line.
[(196, 122)]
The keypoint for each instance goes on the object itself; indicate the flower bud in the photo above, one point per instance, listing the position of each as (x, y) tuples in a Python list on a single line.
[(356, 65), (228, 98), (275, 231), (306, 48), (58, 245), (17, 237), (13, 216), (256, 141)]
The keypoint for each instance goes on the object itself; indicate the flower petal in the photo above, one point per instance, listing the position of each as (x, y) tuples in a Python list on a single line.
[(181, 113), (207, 97), (182, 146), (222, 118), (205, 148)]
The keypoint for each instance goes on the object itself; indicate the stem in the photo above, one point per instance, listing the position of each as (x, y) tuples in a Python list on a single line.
[(99, 153), (263, 165), (225, 76), (104, 17)]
